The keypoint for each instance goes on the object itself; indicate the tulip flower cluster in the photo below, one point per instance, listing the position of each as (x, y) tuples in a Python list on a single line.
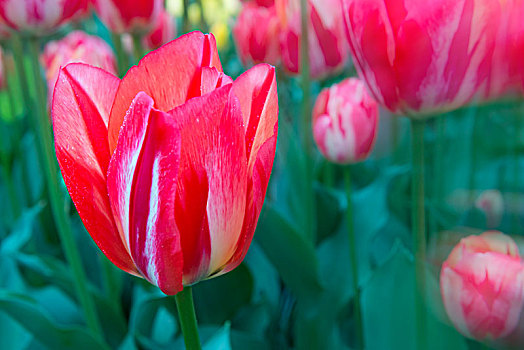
[(482, 285), (168, 167), (270, 32)]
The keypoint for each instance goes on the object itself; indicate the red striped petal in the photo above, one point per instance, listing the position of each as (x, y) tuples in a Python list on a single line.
[(211, 185), (166, 75), (257, 92), (141, 184), (82, 99)]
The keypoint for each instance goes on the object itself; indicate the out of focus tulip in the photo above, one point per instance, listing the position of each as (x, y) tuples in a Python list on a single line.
[(491, 203), (264, 3), (256, 32), (163, 31), (345, 119), (169, 166), (4, 30), (426, 57), (129, 16), (482, 285), (39, 17), (328, 49), (77, 46)]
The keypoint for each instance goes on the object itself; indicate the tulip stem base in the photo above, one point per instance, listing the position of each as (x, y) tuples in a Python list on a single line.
[(121, 56), (354, 261), (305, 125), (187, 317), (138, 48), (44, 138), (419, 226)]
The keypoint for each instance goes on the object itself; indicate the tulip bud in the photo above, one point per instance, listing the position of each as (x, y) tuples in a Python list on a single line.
[(77, 46), (482, 286), (125, 16), (255, 34), (426, 57), (39, 17), (345, 119), (492, 204), (163, 31), (328, 50)]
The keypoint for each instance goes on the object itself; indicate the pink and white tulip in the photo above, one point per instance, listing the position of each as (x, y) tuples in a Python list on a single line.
[(256, 34), (328, 49), (345, 120), (39, 17), (426, 57), (78, 47), (482, 286)]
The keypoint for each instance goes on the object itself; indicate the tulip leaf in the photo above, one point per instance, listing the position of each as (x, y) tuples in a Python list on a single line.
[(293, 256), (221, 340), (388, 309), (30, 316)]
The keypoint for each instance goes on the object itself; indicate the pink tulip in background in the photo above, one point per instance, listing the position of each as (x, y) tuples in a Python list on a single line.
[(328, 49), (128, 16), (482, 285), (265, 3), (169, 166), (76, 46), (39, 17), (425, 57), (163, 31), (256, 34), (345, 120)]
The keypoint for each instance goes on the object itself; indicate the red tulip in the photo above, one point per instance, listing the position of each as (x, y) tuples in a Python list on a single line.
[(328, 50), (255, 34), (127, 16), (424, 57), (163, 31), (168, 168), (77, 46), (345, 119), (482, 286), (39, 16)]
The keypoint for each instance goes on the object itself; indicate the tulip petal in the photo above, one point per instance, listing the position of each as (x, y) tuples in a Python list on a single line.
[(257, 92), (82, 99), (141, 184), (211, 185), (166, 75)]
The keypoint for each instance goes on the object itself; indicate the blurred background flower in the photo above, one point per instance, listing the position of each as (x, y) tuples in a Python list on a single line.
[(482, 285), (345, 122), (76, 46)]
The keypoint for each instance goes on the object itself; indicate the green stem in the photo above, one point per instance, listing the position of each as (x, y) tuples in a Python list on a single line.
[(419, 227), (306, 131), (474, 161), (329, 175), (185, 16), (515, 220), (121, 56), (45, 143), (138, 49), (203, 23), (438, 172), (354, 260), (187, 317)]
